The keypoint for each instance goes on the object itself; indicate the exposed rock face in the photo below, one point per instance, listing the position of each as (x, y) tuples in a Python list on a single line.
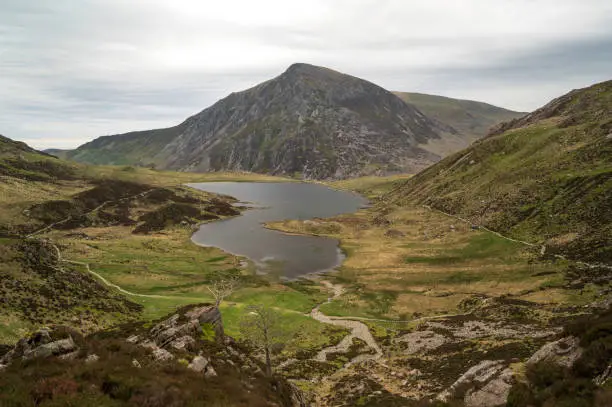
[(485, 385), (309, 120), (564, 352), (39, 345), (494, 393), (178, 331)]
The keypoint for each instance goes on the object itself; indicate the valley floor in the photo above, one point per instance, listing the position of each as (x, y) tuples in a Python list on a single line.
[(420, 299)]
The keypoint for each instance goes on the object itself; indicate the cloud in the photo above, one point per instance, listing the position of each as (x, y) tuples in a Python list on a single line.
[(71, 71)]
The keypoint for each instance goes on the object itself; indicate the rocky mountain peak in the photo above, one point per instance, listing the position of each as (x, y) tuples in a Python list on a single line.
[(308, 121)]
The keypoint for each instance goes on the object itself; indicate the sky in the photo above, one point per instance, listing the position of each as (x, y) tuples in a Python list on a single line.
[(74, 70)]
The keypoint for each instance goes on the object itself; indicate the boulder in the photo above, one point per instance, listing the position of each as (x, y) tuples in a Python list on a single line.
[(133, 339), (37, 345), (198, 364), (210, 372), (494, 393), (477, 377), (162, 355), (208, 315), (179, 331), (92, 358), (563, 353), (182, 343), (51, 349)]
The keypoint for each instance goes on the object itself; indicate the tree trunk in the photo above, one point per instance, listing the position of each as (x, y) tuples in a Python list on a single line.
[(268, 363)]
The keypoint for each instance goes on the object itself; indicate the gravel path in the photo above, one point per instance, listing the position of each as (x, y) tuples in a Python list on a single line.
[(358, 330)]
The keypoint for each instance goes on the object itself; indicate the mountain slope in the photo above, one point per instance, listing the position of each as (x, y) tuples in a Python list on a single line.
[(18, 160), (471, 120), (546, 177), (309, 120)]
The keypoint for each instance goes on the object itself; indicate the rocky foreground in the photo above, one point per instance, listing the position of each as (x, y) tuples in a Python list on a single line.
[(183, 360)]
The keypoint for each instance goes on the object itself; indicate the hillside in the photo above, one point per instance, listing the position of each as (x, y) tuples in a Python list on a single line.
[(471, 120), (310, 121), (170, 363), (544, 178)]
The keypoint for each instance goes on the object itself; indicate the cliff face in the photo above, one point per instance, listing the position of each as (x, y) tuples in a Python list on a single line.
[(309, 120)]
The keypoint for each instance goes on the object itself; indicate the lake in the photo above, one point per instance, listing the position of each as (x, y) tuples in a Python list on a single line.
[(289, 256)]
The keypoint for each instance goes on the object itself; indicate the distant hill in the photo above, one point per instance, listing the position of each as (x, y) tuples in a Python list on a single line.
[(469, 119), (310, 121), (19, 160), (545, 177), (56, 152)]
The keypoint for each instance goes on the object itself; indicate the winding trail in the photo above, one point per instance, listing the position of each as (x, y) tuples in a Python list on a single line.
[(104, 280), (358, 330)]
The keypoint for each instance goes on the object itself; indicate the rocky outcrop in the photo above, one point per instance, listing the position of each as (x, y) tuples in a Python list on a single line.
[(485, 385), (309, 120), (41, 344), (202, 365), (119, 365), (564, 352), (494, 393)]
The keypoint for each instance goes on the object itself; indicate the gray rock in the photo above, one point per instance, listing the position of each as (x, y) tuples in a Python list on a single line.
[(69, 356), (494, 393), (564, 352), (182, 342), (208, 315), (133, 339), (136, 363), (198, 364), (210, 372), (51, 349), (173, 332), (475, 378), (162, 355), (92, 358)]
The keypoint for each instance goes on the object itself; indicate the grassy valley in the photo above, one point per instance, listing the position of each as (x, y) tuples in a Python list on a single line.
[(473, 265)]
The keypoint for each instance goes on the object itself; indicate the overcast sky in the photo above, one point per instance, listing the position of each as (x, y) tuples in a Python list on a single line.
[(73, 70)]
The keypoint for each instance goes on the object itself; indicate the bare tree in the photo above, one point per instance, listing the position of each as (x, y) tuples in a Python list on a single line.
[(262, 326), (223, 287)]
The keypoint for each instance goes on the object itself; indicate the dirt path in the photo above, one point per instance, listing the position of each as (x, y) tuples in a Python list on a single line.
[(358, 330)]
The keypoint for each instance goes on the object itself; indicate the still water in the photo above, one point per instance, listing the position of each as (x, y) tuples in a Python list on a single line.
[(274, 252)]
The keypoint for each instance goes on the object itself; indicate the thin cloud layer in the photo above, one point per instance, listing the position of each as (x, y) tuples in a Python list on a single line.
[(72, 71)]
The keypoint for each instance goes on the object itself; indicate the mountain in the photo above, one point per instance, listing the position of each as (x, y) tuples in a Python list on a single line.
[(57, 152), (310, 120), (544, 178), (470, 120)]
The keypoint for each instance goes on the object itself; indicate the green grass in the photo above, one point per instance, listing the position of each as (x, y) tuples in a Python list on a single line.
[(480, 246)]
